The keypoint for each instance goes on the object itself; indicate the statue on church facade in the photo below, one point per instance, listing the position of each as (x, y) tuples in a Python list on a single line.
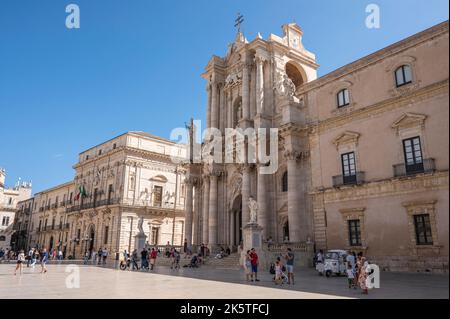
[(253, 205)]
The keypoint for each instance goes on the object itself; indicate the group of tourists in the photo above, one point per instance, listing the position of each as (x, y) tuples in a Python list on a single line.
[(357, 269), (96, 257), (33, 256), (147, 257), (284, 264)]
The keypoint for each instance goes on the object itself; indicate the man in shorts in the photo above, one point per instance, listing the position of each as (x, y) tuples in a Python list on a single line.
[(254, 262), (290, 265)]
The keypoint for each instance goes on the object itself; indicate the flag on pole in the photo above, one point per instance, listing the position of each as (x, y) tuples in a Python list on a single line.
[(81, 192)]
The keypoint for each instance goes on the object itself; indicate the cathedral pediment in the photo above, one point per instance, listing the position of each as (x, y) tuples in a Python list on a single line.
[(346, 138)]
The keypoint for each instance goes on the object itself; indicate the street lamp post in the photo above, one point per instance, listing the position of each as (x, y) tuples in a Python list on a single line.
[(175, 205)]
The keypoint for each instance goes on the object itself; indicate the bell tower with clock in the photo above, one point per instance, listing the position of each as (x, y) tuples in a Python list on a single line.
[(294, 36)]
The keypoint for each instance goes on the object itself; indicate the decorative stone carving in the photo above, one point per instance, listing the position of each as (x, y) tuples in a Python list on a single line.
[(233, 79), (295, 155), (284, 86)]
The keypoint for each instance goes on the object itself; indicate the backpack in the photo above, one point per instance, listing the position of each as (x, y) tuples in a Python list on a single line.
[(272, 269)]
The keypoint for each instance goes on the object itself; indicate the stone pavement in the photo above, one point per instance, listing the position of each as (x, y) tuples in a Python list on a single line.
[(206, 283)]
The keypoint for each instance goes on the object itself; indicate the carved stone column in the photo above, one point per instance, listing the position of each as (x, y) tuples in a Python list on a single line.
[(214, 105), (297, 214), (208, 107), (212, 222), (262, 202), (245, 195), (205, 225), (197, 214), (259, 85), (189, 209), (245, 92)]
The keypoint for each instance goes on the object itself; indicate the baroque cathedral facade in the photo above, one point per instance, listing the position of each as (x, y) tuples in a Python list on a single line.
[(362, 156)]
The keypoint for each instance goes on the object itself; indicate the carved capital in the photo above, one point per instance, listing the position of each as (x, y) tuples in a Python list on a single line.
[(296, 155)]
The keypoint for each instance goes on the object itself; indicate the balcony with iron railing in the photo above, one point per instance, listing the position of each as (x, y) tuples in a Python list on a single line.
[(341, 180), (403, 169)]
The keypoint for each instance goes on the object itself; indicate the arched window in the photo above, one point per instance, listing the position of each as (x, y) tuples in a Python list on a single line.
[(403, 75), (284, 182), (2, 238), (343, 98)]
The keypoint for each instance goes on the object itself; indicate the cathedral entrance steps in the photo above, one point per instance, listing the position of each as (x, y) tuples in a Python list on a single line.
[(229, 262)]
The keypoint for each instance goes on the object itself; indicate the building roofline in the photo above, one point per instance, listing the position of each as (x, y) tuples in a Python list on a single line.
[(406, 43), (138, 133), (55, 188)]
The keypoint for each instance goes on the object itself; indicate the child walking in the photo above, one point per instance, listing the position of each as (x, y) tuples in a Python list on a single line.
[(350, 277)]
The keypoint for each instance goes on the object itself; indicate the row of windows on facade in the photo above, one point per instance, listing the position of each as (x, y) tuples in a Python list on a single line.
[(100, 152), (70, 198), (414, 163), (403, 76), (422, 228)]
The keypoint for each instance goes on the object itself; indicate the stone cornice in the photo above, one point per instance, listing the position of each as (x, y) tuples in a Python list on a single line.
[(380, 55), (388, 187), (383, 106)]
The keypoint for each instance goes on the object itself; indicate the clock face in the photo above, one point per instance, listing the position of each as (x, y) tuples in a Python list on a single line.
[(295, 42)]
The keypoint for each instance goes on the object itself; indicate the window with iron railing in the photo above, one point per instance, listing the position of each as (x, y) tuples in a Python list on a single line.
[(413, 155)]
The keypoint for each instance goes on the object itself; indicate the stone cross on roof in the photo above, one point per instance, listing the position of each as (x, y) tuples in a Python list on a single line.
[(238, 22)]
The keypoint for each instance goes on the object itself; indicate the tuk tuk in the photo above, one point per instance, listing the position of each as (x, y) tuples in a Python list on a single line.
[(334, 263)]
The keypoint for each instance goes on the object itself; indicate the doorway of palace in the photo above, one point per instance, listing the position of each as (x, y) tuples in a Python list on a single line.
[(236, 222), (50, 245), (91, 238)]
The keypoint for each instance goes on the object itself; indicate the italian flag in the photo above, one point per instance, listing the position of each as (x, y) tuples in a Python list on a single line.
[(81, 192)]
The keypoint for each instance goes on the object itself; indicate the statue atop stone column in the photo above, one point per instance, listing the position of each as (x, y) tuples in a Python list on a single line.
[(253, 205), (140, 225)]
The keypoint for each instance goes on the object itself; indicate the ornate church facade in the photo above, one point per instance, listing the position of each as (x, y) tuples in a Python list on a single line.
[(362, 157)]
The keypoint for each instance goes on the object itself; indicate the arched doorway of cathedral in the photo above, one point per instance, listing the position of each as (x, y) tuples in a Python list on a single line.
[(236, 222), (286, 231)]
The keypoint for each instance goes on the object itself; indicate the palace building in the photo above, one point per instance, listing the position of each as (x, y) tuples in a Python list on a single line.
[(9, 199), (363, 150), (129, 178)]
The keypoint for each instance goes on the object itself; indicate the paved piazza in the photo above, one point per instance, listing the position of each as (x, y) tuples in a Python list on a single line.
[(205, 283)]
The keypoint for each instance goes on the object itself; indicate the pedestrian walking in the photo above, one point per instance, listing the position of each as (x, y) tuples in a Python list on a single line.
[(34, 257), (248, 266), (105, 255), (134, 259), (153, 255), (44, 260), (362, 274), (350, 277), (20, 261), (144, 261), (86, 257)]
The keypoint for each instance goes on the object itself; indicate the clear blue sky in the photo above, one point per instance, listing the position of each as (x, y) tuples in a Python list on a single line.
[(136, 65)]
